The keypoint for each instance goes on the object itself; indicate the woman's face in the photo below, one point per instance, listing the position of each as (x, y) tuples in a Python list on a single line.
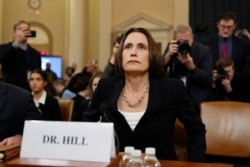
[(95, 83), (135, 55), (36, 82)]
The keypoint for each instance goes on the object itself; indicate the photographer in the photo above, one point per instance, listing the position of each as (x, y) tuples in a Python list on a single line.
[(242, 33), (228, 85), (190, 61), (18, 58)]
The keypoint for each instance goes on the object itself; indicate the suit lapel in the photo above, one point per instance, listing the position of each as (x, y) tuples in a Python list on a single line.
[(117, 87), (155, 94), (155, 100)]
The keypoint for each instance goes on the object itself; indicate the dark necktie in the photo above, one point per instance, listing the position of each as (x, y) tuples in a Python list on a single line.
[(224, 48)]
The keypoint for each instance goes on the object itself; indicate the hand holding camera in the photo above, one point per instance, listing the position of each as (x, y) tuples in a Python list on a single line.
[(222, 77), (21, 35), (180, 46), (183, 54)]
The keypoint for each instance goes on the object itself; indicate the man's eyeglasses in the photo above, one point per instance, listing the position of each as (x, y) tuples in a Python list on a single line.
[(226, 27)]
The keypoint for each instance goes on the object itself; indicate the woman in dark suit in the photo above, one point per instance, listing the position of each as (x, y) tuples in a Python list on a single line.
[(47, 104), (143, 104)]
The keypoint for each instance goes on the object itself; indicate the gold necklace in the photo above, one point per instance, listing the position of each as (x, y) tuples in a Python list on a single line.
[(138, 102)]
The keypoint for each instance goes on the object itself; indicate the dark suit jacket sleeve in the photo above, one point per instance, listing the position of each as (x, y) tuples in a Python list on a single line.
[(195, 129), (203, 61)]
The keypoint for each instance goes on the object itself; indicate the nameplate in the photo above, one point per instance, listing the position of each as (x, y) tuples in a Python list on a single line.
[(81, 141)]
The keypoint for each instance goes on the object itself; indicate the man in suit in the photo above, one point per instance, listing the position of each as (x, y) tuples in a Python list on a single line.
[(18, 58), (235, 48), (191, 62), (16, 106)]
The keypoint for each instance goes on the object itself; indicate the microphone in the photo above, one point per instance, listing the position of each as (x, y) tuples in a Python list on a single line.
[(104, 108)]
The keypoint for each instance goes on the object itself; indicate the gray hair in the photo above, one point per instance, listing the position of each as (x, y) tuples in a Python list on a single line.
[(182, 29)]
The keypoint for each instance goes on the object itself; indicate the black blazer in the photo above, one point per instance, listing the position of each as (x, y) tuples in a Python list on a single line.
[(168, 100), (50, 110), (15, 65), (240, 51), (16, 106)]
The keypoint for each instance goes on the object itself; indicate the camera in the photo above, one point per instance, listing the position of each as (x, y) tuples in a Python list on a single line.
[(33, 34), (221, 74), (183, 47)]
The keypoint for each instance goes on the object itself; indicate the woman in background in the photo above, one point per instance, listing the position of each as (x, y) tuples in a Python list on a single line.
[(47, 104)]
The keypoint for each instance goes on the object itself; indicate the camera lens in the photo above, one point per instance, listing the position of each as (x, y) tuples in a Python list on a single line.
[(221, 74), (183, 47)]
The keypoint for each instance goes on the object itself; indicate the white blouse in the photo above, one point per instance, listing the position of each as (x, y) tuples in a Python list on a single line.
[(132, 117)]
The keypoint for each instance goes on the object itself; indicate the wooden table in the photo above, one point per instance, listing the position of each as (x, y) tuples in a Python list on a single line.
[(31, 162), (168, 163)]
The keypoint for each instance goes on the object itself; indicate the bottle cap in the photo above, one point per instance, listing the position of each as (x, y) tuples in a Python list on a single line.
[(150, 150), (128, 149), (136, 153)]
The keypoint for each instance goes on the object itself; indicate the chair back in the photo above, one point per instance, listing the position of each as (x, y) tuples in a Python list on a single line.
[(66, 107), (227, 124), (180, 141)]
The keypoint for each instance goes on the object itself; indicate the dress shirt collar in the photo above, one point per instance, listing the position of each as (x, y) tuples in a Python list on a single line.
[(42, 99)]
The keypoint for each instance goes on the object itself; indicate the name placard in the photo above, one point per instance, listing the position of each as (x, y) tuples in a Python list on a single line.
[(81, 141)]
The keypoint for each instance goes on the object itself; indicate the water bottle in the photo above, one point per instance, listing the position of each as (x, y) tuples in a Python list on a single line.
[(135, 160), (126, 156), (150, 160)]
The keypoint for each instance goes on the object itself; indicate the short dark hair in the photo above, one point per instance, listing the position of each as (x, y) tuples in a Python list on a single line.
[(222, 63), (78, 82), (228, 15), (155, 66)]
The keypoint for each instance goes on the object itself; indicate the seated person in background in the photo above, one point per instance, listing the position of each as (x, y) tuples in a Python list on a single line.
[(82, 96), (90, 68), (93, 83), (16, 106), (69, 92), (94, 80), (110, 67), (69, 72), (228, 85), (143, 103), (59, 85), (47, 104)]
